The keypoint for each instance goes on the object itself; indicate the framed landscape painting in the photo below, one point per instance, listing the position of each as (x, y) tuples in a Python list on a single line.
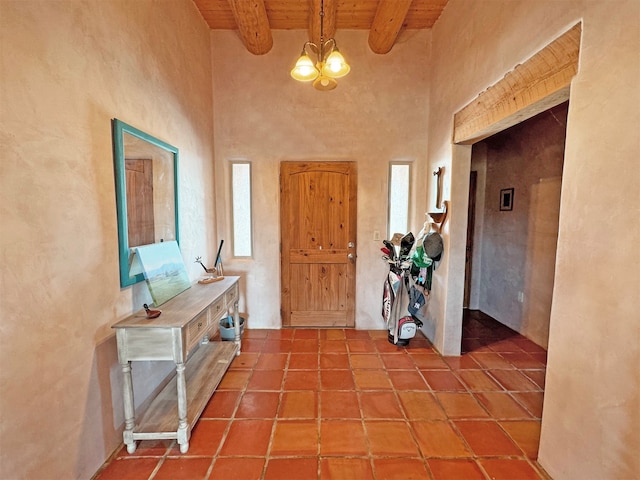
[(163, 270)]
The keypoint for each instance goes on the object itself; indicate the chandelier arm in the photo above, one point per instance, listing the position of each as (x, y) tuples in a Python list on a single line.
[(314, 48), (328, 47)]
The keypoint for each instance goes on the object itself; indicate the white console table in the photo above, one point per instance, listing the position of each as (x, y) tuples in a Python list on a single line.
[(180, 334)]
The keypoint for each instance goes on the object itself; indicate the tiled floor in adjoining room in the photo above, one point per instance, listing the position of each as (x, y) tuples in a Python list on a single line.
[(306, 404)]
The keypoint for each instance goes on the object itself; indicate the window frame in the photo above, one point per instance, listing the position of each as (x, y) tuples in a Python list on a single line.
[(233, 212), (393, 164)]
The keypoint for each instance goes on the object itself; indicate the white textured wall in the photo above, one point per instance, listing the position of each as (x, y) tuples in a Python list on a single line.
[(377, 114), (591, 419), (66, 69)]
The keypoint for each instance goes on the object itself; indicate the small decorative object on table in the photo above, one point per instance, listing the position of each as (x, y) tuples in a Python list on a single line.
[(212, 274), (208, 270), (210, 279), (151, 313), (218, 263)]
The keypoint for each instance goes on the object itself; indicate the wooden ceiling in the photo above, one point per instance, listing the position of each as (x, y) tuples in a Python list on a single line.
[(254, 19)]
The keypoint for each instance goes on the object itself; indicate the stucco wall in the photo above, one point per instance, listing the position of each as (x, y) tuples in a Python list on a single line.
[(67, 68), (591, 418), (377, 114)]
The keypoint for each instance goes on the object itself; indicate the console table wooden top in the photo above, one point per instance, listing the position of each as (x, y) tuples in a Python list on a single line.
[(178, 311)]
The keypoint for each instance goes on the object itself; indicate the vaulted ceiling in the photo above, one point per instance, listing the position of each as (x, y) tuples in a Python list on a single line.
[(254, 19)]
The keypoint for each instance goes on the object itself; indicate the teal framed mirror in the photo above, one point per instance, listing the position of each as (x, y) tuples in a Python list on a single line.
[(146, 179)]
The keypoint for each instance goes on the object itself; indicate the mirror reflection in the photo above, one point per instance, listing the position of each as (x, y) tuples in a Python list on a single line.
[(146, 192), (150, 192)]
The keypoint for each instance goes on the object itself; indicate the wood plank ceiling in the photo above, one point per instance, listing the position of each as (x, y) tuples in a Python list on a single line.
[(254, 19)]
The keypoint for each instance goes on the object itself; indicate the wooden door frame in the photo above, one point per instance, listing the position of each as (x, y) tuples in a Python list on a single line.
[(471, 223)]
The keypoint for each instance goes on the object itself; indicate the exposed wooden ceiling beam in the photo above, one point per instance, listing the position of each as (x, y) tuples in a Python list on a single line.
[(255, 19), (329, 22), (253, 25), (387, 23)]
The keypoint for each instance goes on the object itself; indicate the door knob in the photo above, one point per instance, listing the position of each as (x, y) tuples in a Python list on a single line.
[(351, 257), (350, 245)]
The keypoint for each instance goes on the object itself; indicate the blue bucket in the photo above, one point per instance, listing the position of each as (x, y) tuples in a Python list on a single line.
[(227, 330)]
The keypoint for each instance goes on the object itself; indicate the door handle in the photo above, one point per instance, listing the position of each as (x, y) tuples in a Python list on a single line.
[(351, 257)]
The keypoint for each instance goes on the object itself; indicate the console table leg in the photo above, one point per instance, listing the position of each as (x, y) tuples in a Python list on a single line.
[(183, 427), (129, 410), (236, 323)]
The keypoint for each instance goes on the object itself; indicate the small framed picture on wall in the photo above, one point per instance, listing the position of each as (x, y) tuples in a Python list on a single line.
[(506, 199)]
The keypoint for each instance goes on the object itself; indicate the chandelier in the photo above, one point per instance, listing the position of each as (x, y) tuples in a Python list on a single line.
[(330, 63)]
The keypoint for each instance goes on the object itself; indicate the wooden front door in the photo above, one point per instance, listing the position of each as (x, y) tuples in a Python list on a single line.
[(318, 243)]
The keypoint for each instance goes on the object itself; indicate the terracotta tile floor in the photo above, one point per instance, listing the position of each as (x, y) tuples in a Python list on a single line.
[(346, 404)]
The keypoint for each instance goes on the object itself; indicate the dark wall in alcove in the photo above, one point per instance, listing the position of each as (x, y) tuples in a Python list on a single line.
[(514, 250)]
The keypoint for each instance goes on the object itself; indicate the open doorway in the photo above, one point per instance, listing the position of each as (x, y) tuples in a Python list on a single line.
[(514, 202)]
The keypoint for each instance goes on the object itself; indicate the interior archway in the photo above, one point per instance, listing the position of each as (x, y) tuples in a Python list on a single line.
[(536, 85)]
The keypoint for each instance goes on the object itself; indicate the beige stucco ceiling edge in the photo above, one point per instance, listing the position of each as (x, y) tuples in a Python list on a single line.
[(541, 82)]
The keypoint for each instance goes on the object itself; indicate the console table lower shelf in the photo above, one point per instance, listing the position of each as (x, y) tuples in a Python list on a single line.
[(204, 371)]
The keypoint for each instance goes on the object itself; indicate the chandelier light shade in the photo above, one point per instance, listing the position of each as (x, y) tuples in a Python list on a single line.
[(329, 63), (335, 65), (305, 70)]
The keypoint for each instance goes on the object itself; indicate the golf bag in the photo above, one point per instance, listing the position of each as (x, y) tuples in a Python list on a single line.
[(404, 301)]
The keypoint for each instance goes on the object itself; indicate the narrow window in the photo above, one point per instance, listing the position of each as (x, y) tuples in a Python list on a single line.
[(399, 181), (241, 208)]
